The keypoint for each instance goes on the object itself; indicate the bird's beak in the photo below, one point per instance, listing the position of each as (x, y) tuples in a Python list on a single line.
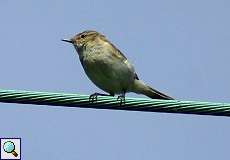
[(67, 40)]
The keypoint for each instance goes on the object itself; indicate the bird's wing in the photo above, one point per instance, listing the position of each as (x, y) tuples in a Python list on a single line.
[(120, 55)]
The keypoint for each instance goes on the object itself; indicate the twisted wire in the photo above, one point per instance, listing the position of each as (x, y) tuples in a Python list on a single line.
[(131, 104)]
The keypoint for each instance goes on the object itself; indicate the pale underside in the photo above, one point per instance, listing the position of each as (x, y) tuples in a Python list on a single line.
[(108, 69)]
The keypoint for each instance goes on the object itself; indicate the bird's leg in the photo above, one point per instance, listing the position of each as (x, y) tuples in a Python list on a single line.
[(93, 97), (121, 98)]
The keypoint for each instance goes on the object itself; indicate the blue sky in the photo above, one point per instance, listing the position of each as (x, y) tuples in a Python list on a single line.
[(178, 47)]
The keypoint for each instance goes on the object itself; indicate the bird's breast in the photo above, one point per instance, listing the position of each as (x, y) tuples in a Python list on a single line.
[(108, 73)]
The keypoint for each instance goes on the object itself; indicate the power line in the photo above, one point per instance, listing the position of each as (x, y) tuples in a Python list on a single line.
[(131, 104)]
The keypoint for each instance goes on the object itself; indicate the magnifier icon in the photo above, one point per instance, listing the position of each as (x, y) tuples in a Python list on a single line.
[(9, 147)]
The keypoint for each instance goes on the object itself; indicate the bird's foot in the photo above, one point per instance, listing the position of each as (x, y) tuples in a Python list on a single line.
[(121, 98), (93, 97)]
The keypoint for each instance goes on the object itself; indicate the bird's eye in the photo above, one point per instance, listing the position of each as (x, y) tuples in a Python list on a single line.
[(82, 36)]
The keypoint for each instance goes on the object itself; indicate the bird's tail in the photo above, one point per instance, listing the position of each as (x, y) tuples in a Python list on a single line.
[(140, 87)]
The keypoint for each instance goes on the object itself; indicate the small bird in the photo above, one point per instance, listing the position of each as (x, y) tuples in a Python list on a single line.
[(108, 68)]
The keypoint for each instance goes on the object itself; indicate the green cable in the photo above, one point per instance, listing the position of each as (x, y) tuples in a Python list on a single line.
[(131, 104)]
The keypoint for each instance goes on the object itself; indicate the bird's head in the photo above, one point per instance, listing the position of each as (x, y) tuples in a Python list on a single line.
[(82, 38)]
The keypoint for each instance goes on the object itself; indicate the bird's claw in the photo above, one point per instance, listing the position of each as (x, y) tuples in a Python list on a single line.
[(121, 98), (93, 97)]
